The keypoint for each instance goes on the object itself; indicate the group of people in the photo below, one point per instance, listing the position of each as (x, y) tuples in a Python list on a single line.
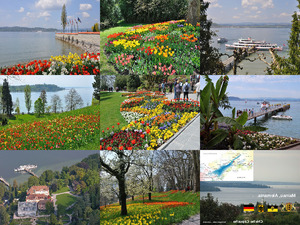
[(240, 112), (180, 87)]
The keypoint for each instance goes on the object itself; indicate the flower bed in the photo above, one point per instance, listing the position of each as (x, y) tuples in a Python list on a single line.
[(263, 141), (68, 133), (156, 120), (167, 48), (73, 64)]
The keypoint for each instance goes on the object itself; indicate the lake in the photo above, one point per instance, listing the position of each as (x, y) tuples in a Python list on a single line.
[(278, 36), (86, 94), (21, 47), (53, 160), (239, 196), (289, 128)]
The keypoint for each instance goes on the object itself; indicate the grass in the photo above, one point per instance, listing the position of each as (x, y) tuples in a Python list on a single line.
[(64, 189), (29, 118), (107, 68), (110, 110), (65, 200), (156, 214)]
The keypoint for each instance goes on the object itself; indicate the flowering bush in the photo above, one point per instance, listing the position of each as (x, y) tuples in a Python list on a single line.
[(152, 121), (73, 64), (166, 48)]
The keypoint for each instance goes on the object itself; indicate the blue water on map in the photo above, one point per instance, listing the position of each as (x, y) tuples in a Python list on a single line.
[(223, 168)]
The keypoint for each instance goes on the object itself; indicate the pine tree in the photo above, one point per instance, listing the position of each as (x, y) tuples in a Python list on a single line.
[(43, 96), (27, 92), (210, 57), (6, 99)]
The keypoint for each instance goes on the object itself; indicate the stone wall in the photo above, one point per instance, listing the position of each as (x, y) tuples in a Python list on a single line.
[(88, 42)]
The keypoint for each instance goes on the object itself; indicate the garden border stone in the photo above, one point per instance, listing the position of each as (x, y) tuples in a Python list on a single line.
[(166, 144)]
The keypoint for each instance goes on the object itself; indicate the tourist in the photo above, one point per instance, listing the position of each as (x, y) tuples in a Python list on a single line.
[(178, 89), (197, 86), (175, 83), (186, 89)]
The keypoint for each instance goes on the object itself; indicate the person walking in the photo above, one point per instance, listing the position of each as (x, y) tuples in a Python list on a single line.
[(186, 89), (178, 90), (197, 86), (175, 83)]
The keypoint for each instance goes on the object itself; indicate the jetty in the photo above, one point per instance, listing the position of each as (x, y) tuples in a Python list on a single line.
[(4, 181), (271, 110), (26, 169), (30, 172)]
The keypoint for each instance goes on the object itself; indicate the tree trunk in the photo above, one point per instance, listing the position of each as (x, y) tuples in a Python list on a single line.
[(193, 15), (122, 195), (149, 196), (132, 197), (196, 160)]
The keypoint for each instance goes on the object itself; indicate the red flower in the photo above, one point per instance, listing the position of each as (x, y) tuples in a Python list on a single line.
[(118, 124), (121, 147), (109, 148), (148, 131), (129, 148), (142, 136), (147, 124), (107, 128), (113, 127), (133, 141)]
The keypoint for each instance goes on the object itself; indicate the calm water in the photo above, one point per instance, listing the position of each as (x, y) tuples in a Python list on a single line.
[(85, 93), (279, 36), (18, 47), (54, 160), (239, 196), (289, 128)]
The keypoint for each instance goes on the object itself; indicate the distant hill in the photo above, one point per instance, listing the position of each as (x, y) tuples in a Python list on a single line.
[(214, 185), (26, 29), (233, 98), (254, 25), (37, 88)]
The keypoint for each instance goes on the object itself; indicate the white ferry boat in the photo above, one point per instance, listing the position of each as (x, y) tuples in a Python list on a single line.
[(252, 43), (222, 40), (25, 167), (282, 117)]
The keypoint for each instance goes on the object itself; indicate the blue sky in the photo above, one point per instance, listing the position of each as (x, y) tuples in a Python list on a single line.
[(266, 86), (61, 81), (258, 11), (46, 13)]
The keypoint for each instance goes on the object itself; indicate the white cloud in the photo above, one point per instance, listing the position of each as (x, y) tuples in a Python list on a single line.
[(254, 16), (260, 79), (85, 15), (236, 8), (258, 12), (85, 7), (50, 4), (254, 8), (21, 10), (216, 5), (263, 3), (236, 17), (284, 14), (44, 14)]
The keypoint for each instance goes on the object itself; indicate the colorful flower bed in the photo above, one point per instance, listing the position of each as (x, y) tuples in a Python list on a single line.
[(263, 141), (166, 48), (167, 209), (152, 121), (73, 64), (66, 133)]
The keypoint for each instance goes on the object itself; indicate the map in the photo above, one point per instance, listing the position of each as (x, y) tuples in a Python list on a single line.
[(226, 165)]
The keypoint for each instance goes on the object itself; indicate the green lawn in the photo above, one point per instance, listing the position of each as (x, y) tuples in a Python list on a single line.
[(65, 200), (29, 118), (64, 189), (107, 68), (110, 110)]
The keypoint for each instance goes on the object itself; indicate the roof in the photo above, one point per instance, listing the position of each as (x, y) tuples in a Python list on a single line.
[(34, 189)]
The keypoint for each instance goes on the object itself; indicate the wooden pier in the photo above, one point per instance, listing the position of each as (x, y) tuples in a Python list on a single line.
[(272, 110), (30, 172), (4, 181)]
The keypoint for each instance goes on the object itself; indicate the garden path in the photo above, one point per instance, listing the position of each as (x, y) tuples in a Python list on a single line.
[(191, 221), (188, 138)]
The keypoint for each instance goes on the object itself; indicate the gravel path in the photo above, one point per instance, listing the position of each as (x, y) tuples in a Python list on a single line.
[(194, 220)]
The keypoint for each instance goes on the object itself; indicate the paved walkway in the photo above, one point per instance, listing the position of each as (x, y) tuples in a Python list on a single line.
[(191, 96), (194, 220), (188, 138)]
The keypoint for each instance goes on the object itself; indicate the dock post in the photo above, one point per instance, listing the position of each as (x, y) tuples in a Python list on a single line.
[(254, 119)]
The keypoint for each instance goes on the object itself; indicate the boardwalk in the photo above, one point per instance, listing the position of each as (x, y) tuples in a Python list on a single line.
[(30, 172), (271, 110), (4, 181)]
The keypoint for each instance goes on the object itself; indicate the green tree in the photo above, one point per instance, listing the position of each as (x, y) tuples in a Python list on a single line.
[(61, 210), (210, 57), (291, 64), (95, 28), (120, 82), (110, 13), (4, 217), (96, 86), (33, 181), (49, 207), (38, 107), (6, 99), (53, 220), (63, 17), (27, 92), (133, 82), (43, 96)]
